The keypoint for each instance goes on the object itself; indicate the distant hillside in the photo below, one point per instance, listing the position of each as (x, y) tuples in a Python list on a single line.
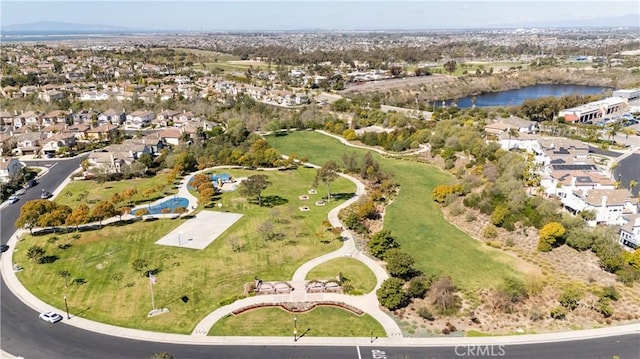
[(632, 20), (53, 26)]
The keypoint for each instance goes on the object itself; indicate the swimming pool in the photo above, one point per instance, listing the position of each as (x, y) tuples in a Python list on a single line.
[(171, 203)]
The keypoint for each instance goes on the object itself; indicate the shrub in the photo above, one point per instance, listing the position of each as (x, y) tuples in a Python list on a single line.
[(514, 289), (609, 292), (550, 235), (570, 297), (605, 308), (418, 286), (490, 231), (424, 313), (380, 243), (558, 313), (391, 295), (470, 217), (456, 209), (400, 264), (536, 314)]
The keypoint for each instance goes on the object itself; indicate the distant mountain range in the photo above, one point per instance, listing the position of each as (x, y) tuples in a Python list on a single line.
[(58, 27), (632, 20)]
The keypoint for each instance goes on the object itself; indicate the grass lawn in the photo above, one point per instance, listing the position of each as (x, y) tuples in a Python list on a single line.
[(414, 218), (361, 277), (92, 192), (116, 294), (322, 322)]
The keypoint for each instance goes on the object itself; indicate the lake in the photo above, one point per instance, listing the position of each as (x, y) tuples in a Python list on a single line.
[(516, 97)]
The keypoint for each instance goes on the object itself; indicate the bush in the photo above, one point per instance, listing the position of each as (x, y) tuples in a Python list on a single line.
[(605, 308), (418, 287), (400, 264), (558, 313), (570, 297), (456, 209), (536, 314), (391, 295), (424, 313), (550, 235), (490, 231), (609, 292), (380, 243), (514, 289), (470, 217)]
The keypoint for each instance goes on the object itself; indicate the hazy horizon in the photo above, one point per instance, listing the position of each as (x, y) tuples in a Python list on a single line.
[(216, 15)]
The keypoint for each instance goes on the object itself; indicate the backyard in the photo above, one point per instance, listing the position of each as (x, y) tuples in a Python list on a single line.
[(93, 268)]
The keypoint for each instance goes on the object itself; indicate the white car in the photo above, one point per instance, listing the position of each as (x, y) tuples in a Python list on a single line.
[(50, 317), (13, 199)]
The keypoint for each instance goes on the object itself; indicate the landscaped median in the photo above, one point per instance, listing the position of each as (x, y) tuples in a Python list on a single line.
[(102, 271)]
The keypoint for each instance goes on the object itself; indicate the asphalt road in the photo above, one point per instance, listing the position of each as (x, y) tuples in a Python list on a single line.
[(22, 333), (59, 170), (629, 169)]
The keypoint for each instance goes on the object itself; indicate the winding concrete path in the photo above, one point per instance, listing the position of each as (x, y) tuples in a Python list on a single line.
[(367, 303)]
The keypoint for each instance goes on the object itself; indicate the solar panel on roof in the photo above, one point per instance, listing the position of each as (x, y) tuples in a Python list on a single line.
[(574, 167)]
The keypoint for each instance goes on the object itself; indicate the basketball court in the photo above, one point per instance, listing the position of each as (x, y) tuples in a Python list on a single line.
[(199, 231)]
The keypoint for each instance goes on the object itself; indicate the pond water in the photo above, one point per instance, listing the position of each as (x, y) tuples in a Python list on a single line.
[(517, 96)]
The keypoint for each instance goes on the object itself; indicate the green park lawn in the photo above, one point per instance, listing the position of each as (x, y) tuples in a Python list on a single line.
[(114, 293), (321, 322), (91, 192), (414, 219), (361, 277)]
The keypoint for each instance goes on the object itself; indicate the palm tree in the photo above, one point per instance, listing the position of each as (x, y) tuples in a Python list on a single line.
[(614, 128)]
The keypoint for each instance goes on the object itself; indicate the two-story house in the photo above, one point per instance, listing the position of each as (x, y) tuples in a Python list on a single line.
[(111, 116), (53, 144), (608, 205), (630, 231), (103, 133), (28, 143), (10, 169)]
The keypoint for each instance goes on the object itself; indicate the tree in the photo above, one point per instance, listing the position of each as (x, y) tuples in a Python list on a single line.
[(185, 162), (381, 242), (400, 264), (55, 218), (326, 175), (450, 66), (550, 235), (444, 296), (140, 265), (253, 186), (32, 211), (102, 210), (35, 253), (78, 216), (391, 295)]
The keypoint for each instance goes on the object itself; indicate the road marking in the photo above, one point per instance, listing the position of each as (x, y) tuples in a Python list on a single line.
[(358, 348)]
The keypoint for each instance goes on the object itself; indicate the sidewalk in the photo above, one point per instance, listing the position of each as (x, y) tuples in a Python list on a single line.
[(367, 303)]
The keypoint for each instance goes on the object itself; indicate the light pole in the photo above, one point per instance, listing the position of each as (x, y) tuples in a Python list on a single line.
[(295, 329), (66, 306)]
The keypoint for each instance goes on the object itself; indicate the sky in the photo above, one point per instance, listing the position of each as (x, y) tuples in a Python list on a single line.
[(217, 15)]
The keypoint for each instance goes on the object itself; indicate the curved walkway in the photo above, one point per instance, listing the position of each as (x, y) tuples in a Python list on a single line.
[(367, 303)]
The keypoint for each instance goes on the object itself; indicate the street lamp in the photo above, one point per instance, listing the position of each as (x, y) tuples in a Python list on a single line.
[(66, 306), (295, 329)]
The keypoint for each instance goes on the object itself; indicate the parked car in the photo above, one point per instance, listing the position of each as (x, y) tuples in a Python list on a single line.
[(31, 183), (13, 199), (50, 317), (3, 248)]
